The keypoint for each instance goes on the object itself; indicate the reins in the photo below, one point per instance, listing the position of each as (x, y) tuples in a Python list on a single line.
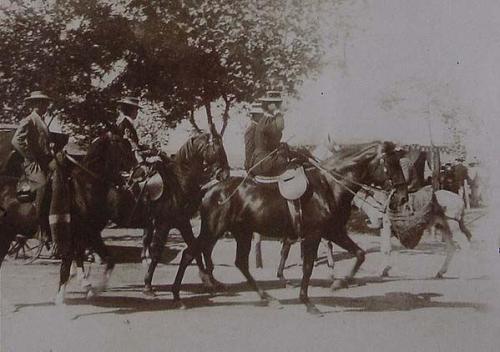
[(333, 175), (250, 170)]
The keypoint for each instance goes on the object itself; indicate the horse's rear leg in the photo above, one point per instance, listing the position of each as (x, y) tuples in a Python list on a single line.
[(450, 251), (285, 251), (329, 257), (147, 237), (243, 246), (310, 247), (385, 247), (101, 250), (344, 241), (464, 229)]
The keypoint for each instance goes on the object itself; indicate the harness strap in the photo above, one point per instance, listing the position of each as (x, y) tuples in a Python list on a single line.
[(74, 161), (347, 188)]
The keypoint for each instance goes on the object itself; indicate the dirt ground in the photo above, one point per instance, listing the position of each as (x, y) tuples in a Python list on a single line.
[(409, 311)]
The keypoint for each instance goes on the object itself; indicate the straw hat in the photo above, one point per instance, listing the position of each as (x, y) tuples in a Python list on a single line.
[(133, 101), (256, 109), (37, 95), (272, 96)]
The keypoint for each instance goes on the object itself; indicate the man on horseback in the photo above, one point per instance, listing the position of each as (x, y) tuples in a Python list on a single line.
[(42, 167), (256, 114), (270, 157), (270, 160)]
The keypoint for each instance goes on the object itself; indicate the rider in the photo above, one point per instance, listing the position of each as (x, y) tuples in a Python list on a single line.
[(42, 168), (255, 115), (270, 157)]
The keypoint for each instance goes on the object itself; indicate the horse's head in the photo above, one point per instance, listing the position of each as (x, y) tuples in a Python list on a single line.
[(208, 148), (385, 171), (110, 155)]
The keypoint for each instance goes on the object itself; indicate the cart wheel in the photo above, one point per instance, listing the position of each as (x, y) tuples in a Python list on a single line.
[(27, 250)]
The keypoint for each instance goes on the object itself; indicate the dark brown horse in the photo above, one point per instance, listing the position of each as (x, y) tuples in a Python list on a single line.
[(89, 185), (197, 161), (242, 207)]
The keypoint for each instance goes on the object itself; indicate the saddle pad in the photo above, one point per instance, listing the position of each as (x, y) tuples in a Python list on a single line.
[(293, 183), (153, 187)]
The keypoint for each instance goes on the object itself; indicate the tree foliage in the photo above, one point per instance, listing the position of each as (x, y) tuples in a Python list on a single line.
[(178, 55)]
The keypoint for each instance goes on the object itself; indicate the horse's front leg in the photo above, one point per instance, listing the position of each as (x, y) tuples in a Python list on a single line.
[(258, 251), (160, 235), (243, 246), (64, 270), (188, 237), (310, 247), (344, 241), (285, 251), (385, 247)]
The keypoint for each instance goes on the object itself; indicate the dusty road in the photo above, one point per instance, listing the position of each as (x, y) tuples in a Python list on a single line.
[(409, 311)]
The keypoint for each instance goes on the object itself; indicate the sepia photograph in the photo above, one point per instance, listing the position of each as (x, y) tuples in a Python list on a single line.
[(249, 175)]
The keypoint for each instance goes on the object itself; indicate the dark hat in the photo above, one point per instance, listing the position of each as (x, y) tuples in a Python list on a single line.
[(272, 96), (460, 158), (37, 95), (133, 101)]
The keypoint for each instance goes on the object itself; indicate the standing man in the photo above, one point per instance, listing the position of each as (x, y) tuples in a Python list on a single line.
[(462, 180), (41, 167), (256, 114)]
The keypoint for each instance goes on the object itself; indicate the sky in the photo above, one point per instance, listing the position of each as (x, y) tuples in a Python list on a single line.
[(396, 67)]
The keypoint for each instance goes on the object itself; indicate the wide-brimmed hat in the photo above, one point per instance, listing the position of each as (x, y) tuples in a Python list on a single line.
[(256, 109), (37, 95), (272, 96), (133, 101)]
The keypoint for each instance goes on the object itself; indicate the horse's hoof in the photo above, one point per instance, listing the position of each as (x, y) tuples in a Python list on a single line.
[(148, 291), (385, 272), (273, 303), (339, 284), (219, 286), (179, 304), (439, 275), (91, 293), (59, 300), (311, 309)]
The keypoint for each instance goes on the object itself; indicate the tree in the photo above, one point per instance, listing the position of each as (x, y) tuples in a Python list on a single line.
[(178, 55)]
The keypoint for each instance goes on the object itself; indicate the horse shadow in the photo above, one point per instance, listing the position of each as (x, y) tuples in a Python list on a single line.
[(388, 302)]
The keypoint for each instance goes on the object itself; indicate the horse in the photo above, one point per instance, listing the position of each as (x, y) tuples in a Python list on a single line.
[(200, 159), (446, 213), (241, 207), (89, 184), (413, 167)]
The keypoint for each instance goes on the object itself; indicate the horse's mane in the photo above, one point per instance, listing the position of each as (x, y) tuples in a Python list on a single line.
[(187, 150), (350, 154)]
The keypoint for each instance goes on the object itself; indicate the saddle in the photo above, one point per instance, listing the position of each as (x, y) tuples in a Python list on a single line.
[(147, 183), (292, 185)]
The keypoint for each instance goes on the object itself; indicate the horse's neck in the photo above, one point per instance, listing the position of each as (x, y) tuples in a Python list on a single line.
[(188, 172)]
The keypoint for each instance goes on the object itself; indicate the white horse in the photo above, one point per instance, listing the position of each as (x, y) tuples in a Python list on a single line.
[(447, 215)]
